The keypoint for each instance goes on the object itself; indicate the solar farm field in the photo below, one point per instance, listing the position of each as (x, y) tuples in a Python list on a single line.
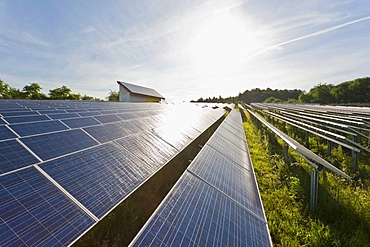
[(66, 165), (312, 166)]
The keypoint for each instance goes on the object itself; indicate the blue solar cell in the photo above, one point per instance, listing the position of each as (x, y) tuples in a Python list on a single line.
[(90, 113), (108, 111), (27, 129), (33, 212), (6, 133), (80, 122), (229, 177), (195, 214), (108, 118), (148, 148), (13, 156), (2, 122), (126, 115), (26, 119), (173, 136), (63, 115), (236, 150), (51, 111), (23, 112), (75, 110), (107, 132), (133, 126), (52, 145), (99, 177)]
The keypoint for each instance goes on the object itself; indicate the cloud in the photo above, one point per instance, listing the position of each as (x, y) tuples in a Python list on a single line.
[(324, 31)]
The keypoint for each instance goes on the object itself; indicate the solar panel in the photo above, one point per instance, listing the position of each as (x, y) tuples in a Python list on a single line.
[(13, 156), (107, 132), (26, 119), (126, 115), (195, 214), (2, 121), (51, 111), (148, 148), (80, 122), (52, 145), (229, 177), (88, 114), (235, 151), (6, 133), (99, 177), (33, 212), (63, 115), (108, 118), (173, 136), (27, 129), (24, 112)]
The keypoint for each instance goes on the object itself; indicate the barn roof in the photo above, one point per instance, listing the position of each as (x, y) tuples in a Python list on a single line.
[(140, 90)]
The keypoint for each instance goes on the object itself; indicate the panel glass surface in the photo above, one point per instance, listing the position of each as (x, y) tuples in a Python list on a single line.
[(56, 144), (99, 177), (6, 133), (108, 118), (80, 122), (35, 128), (26, 119), (18, 113), (172, 136), (13, 156), (231, 151), (107, 132), (88, 114), (148, 148), (229, 177), (195, 214), (63, 115), (33, 212)]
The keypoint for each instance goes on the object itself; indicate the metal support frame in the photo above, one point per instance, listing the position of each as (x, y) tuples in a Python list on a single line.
[(355, 156), (286, 154), (330, 147), (314, 190), (307, 140)]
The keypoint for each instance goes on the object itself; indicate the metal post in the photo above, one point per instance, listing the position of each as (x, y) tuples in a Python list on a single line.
[(307, 140), (286, 147), (330, 146), (314, 192), (354, 157)]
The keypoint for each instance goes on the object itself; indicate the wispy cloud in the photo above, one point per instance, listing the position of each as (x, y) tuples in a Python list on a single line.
[(321, 32)]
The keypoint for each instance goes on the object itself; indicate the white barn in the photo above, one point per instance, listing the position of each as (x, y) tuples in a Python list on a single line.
[(133, 93)]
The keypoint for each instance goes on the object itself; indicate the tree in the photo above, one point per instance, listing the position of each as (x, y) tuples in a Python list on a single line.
[(86, 97), (321, 93), (4, 90), (33, 91), (63, 93), (113, 96), (272, 100)]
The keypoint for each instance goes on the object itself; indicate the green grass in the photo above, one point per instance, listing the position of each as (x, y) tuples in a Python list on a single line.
[(343, 216)]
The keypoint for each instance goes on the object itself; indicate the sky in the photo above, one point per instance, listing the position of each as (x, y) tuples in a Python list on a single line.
[(183, 49)]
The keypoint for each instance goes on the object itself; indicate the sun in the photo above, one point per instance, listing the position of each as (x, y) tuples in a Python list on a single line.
[(220, 43)]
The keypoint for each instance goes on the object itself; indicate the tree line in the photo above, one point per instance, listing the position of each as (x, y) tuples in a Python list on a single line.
[(355, 91), (33, 91)]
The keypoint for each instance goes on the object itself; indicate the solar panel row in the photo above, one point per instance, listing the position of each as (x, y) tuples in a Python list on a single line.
[(215, 203), (44, 210)]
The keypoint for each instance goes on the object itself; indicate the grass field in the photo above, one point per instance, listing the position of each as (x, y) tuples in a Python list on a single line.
[(343, 216)]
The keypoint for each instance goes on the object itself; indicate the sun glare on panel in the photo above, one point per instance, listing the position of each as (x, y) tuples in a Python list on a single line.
[(220, 43)]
